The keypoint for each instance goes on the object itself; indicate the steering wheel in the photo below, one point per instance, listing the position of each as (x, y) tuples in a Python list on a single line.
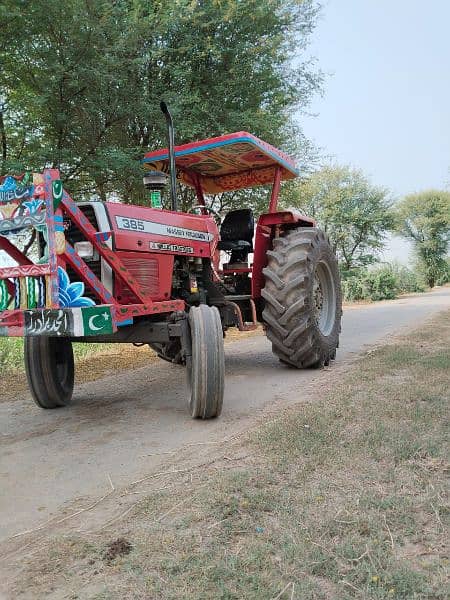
[(209, 209)]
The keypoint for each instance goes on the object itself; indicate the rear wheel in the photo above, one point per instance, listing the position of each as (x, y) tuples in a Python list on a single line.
[(50, 370), (206, 365), (302, 293)]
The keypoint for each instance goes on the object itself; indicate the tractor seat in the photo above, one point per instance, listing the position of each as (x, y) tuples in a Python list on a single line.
[(236, 231)]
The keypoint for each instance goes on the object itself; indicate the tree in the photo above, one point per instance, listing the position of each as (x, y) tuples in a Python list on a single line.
[(424, 218), (81, 81), (355, 214)]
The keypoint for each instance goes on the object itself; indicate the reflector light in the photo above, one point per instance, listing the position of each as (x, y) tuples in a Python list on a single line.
[(84, 249)]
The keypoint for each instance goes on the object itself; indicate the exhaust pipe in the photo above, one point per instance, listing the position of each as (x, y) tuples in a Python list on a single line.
[(171, 138)]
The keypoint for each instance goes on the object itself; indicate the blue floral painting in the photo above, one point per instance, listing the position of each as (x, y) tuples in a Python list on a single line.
[(11, 190), (33, 205), (71, 294), (8, 185)]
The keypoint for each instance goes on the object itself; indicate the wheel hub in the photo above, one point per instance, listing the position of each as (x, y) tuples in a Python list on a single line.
[(318, 297), (324, 298)]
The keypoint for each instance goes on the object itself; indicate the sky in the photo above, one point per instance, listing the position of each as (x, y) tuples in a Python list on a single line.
[(386, 102)]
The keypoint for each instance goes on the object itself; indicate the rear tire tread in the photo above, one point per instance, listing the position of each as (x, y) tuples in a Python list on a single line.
[(288, 314)]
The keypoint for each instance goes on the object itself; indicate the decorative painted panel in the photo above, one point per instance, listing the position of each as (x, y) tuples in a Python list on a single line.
[(229, 162), (71, 294), (63, 322)]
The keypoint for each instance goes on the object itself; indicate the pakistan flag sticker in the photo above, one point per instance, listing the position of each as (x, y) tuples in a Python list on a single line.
[(97, 320)]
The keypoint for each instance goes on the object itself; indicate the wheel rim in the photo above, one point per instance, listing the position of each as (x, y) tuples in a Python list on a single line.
[(324, 298)]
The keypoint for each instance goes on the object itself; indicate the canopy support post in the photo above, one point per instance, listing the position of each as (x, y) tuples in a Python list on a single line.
[(199, 190), (275, 191)]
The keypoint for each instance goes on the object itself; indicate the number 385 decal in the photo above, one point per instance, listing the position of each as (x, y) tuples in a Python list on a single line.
[(133, 224), (171, 231)]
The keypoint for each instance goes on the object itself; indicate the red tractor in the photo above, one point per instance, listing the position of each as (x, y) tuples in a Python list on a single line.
[(111, 272)]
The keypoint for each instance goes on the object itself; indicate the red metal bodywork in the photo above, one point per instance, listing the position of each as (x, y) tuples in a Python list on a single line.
[(141, 243), (146, 240), (163, 226), (231, 162)]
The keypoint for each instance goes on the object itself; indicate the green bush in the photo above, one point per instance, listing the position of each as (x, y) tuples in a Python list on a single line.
[(353, 287), (374, 284), (444, 276), (407, 280), (384, 282)]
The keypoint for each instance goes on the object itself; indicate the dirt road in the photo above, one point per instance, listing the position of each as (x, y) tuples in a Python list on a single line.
[(51, 461)]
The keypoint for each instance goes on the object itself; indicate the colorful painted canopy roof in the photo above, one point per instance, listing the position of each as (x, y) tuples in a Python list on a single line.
[(229, 162)]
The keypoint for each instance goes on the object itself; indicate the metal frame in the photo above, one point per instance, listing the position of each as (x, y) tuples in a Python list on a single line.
[(56, 319)]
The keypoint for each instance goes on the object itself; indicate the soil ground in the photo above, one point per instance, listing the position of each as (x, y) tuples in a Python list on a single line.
[(81, 486)]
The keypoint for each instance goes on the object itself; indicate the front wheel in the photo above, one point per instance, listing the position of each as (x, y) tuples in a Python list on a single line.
[(303, 303), (50, 370), (206, 365)]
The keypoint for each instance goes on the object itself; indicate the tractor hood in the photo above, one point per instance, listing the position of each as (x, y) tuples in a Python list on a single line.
[(142, 229)]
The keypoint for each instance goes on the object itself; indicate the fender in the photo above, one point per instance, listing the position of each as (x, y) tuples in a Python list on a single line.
[(269, 225)]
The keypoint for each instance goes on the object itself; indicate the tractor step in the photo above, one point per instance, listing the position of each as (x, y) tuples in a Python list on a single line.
[(238, 298)]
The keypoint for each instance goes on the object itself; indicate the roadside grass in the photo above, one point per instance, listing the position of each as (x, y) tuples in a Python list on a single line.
[(11, 353), (342, 496)]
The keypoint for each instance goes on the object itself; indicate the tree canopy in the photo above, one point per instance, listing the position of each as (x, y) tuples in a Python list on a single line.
[(355, 214), (424, 218), (81, 81)]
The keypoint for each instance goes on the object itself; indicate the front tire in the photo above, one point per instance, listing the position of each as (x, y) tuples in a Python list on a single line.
[(206, 365), (303, 302), (50, 370)]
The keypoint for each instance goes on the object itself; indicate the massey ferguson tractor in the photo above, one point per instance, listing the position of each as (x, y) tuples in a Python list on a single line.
[(111, 272)]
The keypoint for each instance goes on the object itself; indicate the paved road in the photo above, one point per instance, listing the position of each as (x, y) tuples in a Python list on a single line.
[(49, 459)]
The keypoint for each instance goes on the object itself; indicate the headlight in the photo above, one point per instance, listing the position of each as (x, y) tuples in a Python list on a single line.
[(84, 249)]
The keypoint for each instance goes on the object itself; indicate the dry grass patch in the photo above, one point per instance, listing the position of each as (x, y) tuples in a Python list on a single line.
[(92, 362), (341, 497)]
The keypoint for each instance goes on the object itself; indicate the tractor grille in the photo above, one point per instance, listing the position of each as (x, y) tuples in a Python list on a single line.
[(144, 270), (74, 235)]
